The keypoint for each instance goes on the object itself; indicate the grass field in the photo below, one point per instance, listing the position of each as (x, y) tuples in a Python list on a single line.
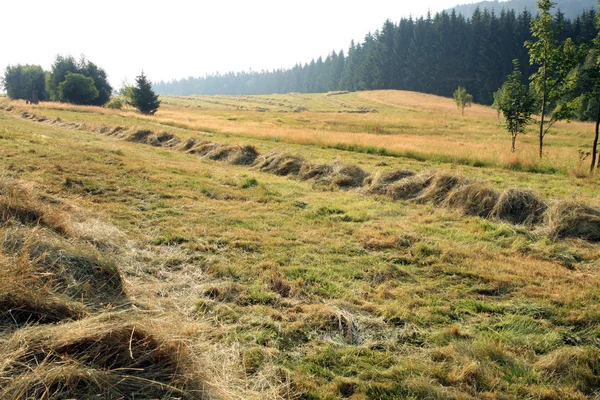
[(174, 266)]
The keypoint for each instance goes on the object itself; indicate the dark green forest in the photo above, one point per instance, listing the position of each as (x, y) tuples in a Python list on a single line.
[(432, 54)]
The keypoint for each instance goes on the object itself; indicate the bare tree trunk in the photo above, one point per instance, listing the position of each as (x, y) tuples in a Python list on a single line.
[(595, 146), (544, 99), (514, 139)]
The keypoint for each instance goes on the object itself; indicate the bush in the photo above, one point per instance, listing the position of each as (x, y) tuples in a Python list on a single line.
[(77, 89), (115, 104)]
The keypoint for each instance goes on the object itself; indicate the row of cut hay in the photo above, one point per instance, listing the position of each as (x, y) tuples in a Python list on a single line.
[(105, 357), (27, 296), (48, 274), (520, 207), (281, 164), (337, 174), (163, 139), (516, 206), (57, 340)]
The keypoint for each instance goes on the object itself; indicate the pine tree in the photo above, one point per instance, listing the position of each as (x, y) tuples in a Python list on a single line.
[(144, 98)]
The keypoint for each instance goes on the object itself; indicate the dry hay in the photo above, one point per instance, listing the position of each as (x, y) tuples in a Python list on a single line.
[(77, 269), (439, 188), (107, 357), (236, 155), (519, 207), (140, 136), (574, 219), (475, 198), (26, 297), (314, 171), (411, 187), (347, 175), (19, 203), (188, 144), (280, 164), (378, 184), (164, 139), (202, 148), (47, 279)]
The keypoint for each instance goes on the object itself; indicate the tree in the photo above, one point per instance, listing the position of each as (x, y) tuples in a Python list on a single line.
[(462, 98), (143, 97), (91, 70), (63, 66), (77, 89), (555, 63), (21, 81), (586, 86), (516, 103)]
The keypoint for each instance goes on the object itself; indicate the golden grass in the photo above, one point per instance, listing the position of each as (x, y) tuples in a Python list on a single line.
[(407, 123)]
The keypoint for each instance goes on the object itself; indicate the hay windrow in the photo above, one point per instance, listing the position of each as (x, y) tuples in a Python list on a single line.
[(99, 357), (475, 198), (280, 164), (572, 218), (346, 175), (236, 155), (439, 188), (314, 171), (519, 207), (379, 182), (164, 139), (140, 136), (411, 187)]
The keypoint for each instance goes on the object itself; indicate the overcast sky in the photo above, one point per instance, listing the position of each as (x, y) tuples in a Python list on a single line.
[(176, 39)]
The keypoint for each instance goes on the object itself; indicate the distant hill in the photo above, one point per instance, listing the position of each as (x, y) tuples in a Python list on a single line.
[(571, 8)]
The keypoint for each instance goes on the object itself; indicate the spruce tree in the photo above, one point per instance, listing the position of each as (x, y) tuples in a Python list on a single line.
[(144, 98)]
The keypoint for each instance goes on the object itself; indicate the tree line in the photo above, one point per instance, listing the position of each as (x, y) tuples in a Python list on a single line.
[(78, 82), (432, 54)]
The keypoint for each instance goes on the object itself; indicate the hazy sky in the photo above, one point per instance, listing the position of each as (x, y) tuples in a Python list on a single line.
[(176, 39)]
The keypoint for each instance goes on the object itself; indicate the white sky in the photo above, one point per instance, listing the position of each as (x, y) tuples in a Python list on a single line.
[(177, 39)]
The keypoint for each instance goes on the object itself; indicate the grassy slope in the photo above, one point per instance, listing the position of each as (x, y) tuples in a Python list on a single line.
[(340, 294)]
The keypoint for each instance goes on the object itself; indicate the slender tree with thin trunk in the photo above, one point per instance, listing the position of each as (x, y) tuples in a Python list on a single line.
[(462, 99), (516, 103), (555, 62), (542, 52)]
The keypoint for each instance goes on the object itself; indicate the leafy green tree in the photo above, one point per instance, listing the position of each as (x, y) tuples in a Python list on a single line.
[(554, 62), (462, 99), (91, 70), (61, 67), (516, 103), (585, 81), (143, 97), (20, 81), (77, 89)]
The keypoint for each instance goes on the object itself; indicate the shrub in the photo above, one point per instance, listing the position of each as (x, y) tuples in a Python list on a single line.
[(115, 104)]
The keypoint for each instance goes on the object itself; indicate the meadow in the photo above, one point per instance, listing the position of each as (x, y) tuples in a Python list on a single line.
[(300, 246)]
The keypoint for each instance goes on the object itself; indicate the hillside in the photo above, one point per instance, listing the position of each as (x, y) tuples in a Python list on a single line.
[(570, 8), (367, 245)]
